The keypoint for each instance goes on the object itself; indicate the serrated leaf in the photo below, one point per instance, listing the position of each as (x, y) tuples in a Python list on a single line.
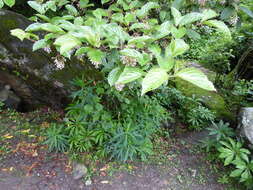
[(193, 34), (138, 26), (190, 18), (114, 75), (9, 3), (67, 42), (196, 77), (208, 14), (71, 10), (95, 55), (177, 15), (221, 26), (131, 53), (21, 34), (139, 39), (178, 33), (119, 17), (154, 79), (146, 8), (129, 17), (37, 6), (129, 74), (39, 44), (178, 47), (89, 34), (163, 30)]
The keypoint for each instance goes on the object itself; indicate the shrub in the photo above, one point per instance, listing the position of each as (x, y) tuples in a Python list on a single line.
[(56, 138), (188, 109)]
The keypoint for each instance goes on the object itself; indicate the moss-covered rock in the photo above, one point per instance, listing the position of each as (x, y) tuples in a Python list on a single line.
[(212, 100)]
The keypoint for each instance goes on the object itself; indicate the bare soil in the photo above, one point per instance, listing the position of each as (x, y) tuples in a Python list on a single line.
[(178, 164)]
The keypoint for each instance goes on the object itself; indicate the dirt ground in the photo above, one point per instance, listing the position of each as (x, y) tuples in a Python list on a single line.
[(178, 164)]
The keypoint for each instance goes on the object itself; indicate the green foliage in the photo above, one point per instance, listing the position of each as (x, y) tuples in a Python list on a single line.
[(145, 47), (56, 138), (112, 123), (243, 89), (190, 110), (9, 3), (231, 152), (1, 106), (221, 130)]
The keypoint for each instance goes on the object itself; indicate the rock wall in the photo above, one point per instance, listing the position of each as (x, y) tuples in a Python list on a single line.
[(33, 75)]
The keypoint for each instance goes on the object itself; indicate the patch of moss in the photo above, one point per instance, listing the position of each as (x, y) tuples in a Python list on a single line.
[(212, 100)]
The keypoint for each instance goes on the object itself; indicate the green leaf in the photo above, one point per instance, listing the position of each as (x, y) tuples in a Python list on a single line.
[(247, 11), (114, 75), (21, 34), (154, 79), (9, 3), (163, 30), (190, 18), (228, 160), (193, 34), (37, 6), (119, 17), (178, 47), (33, 27), (1, 4), (227, 13), (129, 74), (146, 8), (40, 44), (67, 42), (105, 1), (89, 34), (236, 173), (139, 40), (130, 17), (208, 14), (72, 10), (178, 3), (196, 77), (51, 28), (95, 55), (131, 53), (221, 26), (178, 33), (177, 15)]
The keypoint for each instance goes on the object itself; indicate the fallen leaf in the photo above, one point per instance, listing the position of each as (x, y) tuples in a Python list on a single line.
[(7, 136), (105, 182)]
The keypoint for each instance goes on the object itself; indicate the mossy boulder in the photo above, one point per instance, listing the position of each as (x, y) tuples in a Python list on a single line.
[(213, 100), (33, 76)]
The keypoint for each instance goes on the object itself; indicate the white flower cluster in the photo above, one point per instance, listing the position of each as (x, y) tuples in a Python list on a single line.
[(59, 62), (233, 20), (128, 61), (119, 87), (47, 49), (95, 63)]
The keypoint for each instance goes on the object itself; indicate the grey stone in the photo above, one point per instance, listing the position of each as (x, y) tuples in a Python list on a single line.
[(33, 76), (245, 125), (79, 171)]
